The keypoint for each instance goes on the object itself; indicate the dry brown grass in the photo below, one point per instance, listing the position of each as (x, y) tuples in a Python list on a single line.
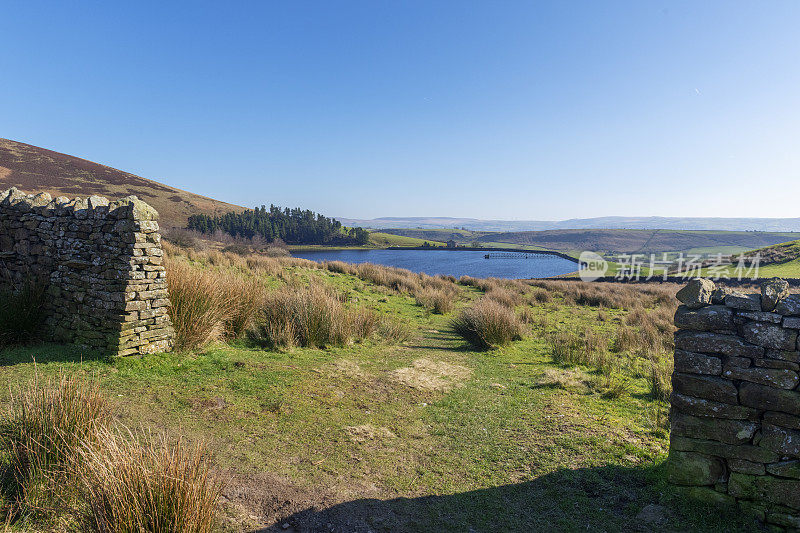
[(660, 377), (394, 330), (611, 295), (308, 316), (487, 324), (435, 300), (66, 468), (45, 426), (208, 305), (145, 483), (424, 374)]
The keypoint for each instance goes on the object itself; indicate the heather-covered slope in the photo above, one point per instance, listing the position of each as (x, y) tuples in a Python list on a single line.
[(35, 169)]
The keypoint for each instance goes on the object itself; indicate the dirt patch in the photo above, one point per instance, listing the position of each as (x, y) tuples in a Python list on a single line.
[(368, 432), (566, 379), (209, 404), (347, 368), (424, 374)]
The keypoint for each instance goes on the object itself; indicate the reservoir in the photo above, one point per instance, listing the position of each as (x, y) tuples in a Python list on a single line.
[(454, 262)]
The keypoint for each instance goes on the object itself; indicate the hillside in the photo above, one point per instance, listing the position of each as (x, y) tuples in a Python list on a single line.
[(614, 222), (612, 241), (35, 169)]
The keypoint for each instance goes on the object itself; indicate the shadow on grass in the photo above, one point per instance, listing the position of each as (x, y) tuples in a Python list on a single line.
[(607, 498), (49, 353)]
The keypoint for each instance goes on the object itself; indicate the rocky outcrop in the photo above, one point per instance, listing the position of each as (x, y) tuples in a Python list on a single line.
[(102, 263), (736, 403)]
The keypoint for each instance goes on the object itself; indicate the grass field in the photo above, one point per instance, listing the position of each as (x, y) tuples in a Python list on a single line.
[(425, 434), (614, 241)]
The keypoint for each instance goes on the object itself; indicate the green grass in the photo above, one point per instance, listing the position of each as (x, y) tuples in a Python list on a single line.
[(378, 238), (422, 436)]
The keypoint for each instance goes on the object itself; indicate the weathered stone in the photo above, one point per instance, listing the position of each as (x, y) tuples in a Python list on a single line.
[(781, 440), (792, 356), (790, 469), (705, 387), (719, 295), (737, 362), (765, 488), (757, 510), (769, 336), (722, 430), (746, 452), (782, 419), (746, 467), (40, 200), (700, 407), (687, 468), (697, 293), (769, 398), (745, 302), (789, 520), (772, 292), (773, 377), (715, 343), (709, 318), (96, 202), (774, 363), (789, 305), (697, 363), (132, 208), (12, 196), (760, 316)]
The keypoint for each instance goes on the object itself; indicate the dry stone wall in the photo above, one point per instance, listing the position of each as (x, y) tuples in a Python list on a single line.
[(736, 405), (102, 264)]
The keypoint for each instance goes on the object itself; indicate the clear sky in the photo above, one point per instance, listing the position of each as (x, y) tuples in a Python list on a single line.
[(494, 109)]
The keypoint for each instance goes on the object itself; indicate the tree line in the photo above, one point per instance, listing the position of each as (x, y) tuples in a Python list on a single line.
[(292, 226)]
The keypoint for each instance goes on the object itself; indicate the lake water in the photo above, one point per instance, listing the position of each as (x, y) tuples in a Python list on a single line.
[(452, 262)]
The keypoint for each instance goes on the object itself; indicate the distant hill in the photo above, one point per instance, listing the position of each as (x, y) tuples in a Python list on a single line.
[(778, 253), (675, 223), (613, 241), (35, 169), (643, 241)]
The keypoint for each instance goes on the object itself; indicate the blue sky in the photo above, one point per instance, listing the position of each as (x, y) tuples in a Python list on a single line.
[(495, 109)]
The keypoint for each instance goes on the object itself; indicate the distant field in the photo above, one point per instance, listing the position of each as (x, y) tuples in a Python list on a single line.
[(382, 239), (781, 260), (614, 241)]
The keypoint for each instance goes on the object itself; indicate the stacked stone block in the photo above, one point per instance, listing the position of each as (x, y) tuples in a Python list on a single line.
[(736, 405), (102, 263)]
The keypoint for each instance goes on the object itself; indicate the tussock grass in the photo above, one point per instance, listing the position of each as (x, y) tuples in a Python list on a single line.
[(660, 377), (157, 486), (45, 426), (611, 295), (65, 467), (208, 305), (487, 324), (436, 300), (503, 296), (21, 310), (394, 330), (199, 306), (309, 317)]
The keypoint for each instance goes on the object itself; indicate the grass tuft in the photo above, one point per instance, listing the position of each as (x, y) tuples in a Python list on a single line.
[(309, 317), (157, 486), (45, 426), (487, 324)]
